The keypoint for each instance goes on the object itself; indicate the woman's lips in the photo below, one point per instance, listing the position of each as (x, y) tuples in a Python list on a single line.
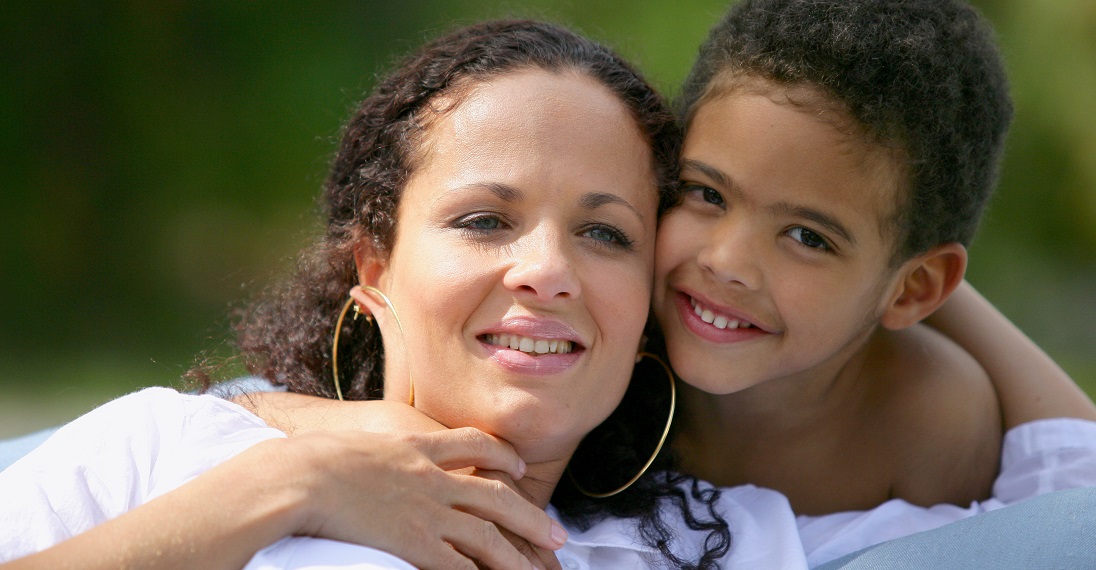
[(532, 346), (715, 325)]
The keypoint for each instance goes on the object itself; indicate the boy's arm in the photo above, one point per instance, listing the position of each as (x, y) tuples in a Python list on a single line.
[(296, 414), (1029, 385)]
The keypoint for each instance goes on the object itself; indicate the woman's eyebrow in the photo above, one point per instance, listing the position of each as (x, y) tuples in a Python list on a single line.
[(594, 200), (504, 192)]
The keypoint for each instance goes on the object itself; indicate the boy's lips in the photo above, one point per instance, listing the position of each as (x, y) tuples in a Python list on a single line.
[(715, 323)]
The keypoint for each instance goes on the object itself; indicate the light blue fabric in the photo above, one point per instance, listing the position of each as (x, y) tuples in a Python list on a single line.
[(1052, 531), (13, 449), (243, 385)]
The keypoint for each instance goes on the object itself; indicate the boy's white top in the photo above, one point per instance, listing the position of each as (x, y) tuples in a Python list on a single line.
[(1037, 458), (133, 449)]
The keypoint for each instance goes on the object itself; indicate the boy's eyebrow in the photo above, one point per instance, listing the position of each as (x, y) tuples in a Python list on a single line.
[(706, 170), (816, 216), (786, 208)]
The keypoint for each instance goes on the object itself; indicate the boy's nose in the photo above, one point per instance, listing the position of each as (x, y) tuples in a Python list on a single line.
[(729, 256), (542, 265)]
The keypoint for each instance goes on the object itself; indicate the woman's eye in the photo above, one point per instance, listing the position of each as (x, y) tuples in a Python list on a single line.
[(608, 235), (480, 222), (809, 238)]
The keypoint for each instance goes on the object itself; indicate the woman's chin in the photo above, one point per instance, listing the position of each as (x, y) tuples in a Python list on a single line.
[(538, 436)]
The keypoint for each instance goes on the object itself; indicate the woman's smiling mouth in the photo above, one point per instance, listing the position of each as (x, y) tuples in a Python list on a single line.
[(529, 345), (533, 346)]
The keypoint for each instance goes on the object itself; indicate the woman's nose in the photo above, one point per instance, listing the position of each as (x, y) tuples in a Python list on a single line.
[(542, 266), (729, 256)]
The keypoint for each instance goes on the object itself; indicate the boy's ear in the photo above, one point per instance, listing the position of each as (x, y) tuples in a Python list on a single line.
[(925, 282)]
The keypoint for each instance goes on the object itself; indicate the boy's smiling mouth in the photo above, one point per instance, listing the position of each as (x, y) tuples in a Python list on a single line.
[(716, 320), (718, 325)]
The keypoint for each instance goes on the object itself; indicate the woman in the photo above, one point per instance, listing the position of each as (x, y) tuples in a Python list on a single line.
[(492, 211)]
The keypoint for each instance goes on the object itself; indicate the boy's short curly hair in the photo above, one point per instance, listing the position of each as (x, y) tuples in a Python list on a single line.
[(920, 76)]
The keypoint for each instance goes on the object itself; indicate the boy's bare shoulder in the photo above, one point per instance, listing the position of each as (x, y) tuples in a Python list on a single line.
[(941, 412)]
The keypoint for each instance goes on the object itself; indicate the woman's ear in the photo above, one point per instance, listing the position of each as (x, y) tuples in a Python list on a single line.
[(370, 272), (926, 282)]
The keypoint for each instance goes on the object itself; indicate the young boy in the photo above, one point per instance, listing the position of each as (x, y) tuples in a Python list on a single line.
[(837, 159)]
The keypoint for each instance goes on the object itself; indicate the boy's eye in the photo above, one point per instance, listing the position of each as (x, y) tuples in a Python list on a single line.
[(709, 195), (713, 197), (809, 238)]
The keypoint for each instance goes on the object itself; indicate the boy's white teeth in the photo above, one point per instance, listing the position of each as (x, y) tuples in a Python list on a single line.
[(718, 321), (531, 345)]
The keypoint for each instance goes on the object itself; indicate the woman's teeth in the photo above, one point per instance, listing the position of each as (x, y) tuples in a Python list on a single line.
[(718, 321), (530, 345)]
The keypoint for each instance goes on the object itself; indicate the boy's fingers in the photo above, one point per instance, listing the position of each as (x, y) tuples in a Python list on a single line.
[(469, 447), (494, 501)]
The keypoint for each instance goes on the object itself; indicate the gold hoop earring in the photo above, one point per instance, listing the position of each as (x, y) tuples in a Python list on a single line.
[(661, 440), (358, 313), (369, 318)]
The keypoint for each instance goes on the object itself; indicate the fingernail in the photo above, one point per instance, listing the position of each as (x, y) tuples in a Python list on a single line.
[(559, 534), (521, 468)]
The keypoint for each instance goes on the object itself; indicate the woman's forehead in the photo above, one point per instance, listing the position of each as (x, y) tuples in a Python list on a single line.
[(560, 124)]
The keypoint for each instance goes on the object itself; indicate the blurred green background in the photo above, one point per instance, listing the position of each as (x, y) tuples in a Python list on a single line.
[(161, 161)]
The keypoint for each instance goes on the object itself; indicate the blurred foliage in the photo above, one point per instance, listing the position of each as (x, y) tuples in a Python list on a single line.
[(161, 161)]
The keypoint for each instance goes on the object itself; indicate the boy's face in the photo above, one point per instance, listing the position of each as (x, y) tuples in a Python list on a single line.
[(781, 231)]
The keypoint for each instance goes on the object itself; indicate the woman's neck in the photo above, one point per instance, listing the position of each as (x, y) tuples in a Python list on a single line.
[(540, 481)]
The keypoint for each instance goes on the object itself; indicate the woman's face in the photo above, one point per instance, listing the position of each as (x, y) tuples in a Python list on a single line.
[(523, 261)]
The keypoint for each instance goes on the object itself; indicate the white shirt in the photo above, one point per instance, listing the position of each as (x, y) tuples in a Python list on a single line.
[(140, 446), (1037, 458), (762, 526), (114, 459)]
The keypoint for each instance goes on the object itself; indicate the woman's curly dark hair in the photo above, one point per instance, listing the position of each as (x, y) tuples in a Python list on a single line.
[(922, 76), (285, 335)]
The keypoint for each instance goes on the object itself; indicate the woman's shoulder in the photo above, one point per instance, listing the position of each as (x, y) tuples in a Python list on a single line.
[(164, 410)]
